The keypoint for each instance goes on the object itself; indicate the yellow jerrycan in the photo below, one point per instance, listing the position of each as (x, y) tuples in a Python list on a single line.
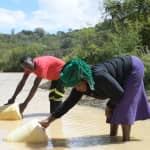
[(10, 112)]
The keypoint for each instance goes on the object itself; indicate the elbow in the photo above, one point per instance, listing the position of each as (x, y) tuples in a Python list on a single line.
[(119, 93)]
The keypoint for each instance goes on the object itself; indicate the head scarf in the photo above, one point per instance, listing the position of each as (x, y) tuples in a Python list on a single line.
[(76, 70)]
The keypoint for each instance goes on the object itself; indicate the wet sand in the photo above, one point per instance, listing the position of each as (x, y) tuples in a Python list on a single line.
[(83, 127)]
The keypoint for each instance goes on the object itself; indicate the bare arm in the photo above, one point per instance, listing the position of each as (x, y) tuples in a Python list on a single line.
[(18, 89), (31, 94), (72, 99)]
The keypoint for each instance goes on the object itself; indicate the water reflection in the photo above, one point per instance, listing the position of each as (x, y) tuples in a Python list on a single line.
[(75, 142), (81, 128), (86, 141), (35, 115)]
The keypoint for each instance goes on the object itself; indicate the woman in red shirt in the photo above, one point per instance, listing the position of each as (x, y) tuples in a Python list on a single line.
[(44, 67)]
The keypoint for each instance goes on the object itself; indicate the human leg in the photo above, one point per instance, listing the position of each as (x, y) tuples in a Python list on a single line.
[(126, 130), (55, 95), (113, 129), (133, 105)]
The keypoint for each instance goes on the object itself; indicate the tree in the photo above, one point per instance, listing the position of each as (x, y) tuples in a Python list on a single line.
[(40, 31), (134, 10)]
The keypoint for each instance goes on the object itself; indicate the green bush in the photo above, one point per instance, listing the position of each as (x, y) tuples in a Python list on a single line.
[(146, 60), (10, 60)]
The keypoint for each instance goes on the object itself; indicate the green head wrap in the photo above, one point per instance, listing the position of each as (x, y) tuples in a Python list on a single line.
[(75, 71)]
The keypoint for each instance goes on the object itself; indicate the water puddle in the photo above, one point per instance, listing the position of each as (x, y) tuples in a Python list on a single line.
[(82, 128)]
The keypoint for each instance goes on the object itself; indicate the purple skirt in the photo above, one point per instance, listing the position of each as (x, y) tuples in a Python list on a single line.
[(134, 104)]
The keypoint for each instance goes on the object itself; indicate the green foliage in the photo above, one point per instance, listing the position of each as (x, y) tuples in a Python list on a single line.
[(145, 36), (124, 31), (146, 60), (125, 40), (10, 59)]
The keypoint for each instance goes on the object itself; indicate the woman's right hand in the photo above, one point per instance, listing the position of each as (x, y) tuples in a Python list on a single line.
[(22, 107), (46, 122)]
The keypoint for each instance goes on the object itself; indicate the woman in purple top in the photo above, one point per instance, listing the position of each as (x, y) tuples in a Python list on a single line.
[(120, 80)]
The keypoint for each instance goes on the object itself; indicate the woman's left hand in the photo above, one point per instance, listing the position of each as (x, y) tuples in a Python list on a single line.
[(108, 112)]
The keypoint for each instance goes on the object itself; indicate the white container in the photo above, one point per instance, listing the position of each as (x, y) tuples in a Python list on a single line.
[(10, 112), (31, 132)]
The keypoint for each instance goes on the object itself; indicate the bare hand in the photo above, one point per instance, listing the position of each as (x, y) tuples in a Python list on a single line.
[(44, 123), (108, 112), (22, 107), (10, 101)]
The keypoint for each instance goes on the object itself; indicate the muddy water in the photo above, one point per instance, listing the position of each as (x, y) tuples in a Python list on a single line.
[(81, 128)]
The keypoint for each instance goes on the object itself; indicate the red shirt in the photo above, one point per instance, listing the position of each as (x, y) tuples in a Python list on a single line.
[(47, 67)]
